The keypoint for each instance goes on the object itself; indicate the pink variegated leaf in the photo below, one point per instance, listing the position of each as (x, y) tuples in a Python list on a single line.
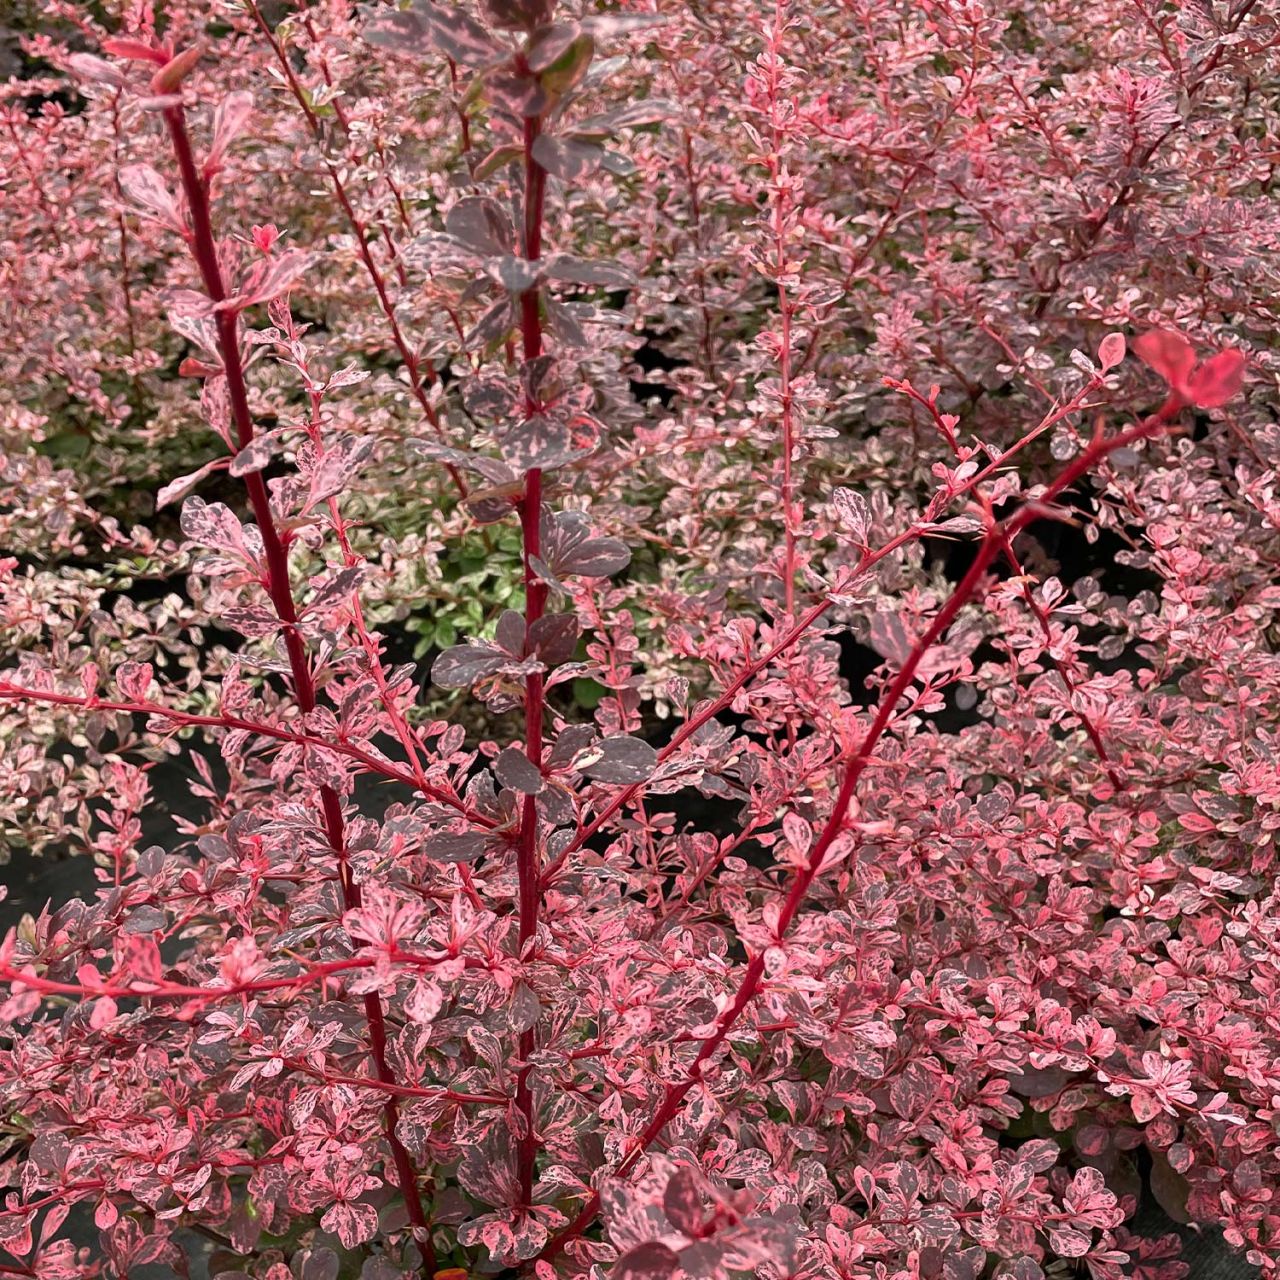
[(183, 485), (151, 193), (229, 119)]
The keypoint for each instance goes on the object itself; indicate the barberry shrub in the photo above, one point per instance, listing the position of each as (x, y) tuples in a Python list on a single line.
[(788, 862)]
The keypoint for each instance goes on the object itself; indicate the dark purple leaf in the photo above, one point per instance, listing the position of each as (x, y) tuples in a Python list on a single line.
[(510, 633), (492, 327), (426, 28), (567, 158), (682, 1202), (1020, 1269), (573, 739), (515, 770), (569, 547), (568, 69), (1169, 1188), (571, 270), (519, 15), (464, 664), (492, 469), (646, 111), (540, 441), (563, 322), (598, 558), (535, 377), (549, 43), (620, 760), (493, 504), (518, 93), (481, 224), (554, 637), (652, 1261), (319, 1264), (490, 395), (451, 847), (49, 1152), (911, 1092)]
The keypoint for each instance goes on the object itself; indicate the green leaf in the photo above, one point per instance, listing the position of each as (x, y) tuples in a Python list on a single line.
[(588, 693)]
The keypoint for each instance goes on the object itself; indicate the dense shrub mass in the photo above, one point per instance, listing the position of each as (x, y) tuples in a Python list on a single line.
[(714, 569)]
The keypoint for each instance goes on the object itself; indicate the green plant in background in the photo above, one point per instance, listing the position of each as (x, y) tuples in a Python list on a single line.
[(480, 576)]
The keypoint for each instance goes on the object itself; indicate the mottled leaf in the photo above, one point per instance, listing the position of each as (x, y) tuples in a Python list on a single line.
[(554, 637), (461, 666), (571, 270), (853, 512), (620, 760), (567, 158), (257, 453), (427, 28), (211, 525), (149, 191), (271, 277), (515, 275), (182, 485), (481, 224), (450, 847), (514, 769), (652, 1261)]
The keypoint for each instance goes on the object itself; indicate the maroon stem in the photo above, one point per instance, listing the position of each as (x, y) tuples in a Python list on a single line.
[(713, 707), (415, 368), (340, 113), (464, 121), (991, 545), (527, 859), (203, 246), (366, 759), (1038, 611)]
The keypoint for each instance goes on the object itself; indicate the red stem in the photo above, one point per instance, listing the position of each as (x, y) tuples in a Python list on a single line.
[(464, 122), (1038, 611), (527, 859), (164, 990), (203, 246), (373, 763), (340, 113), (991, 545), (753, 668)]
